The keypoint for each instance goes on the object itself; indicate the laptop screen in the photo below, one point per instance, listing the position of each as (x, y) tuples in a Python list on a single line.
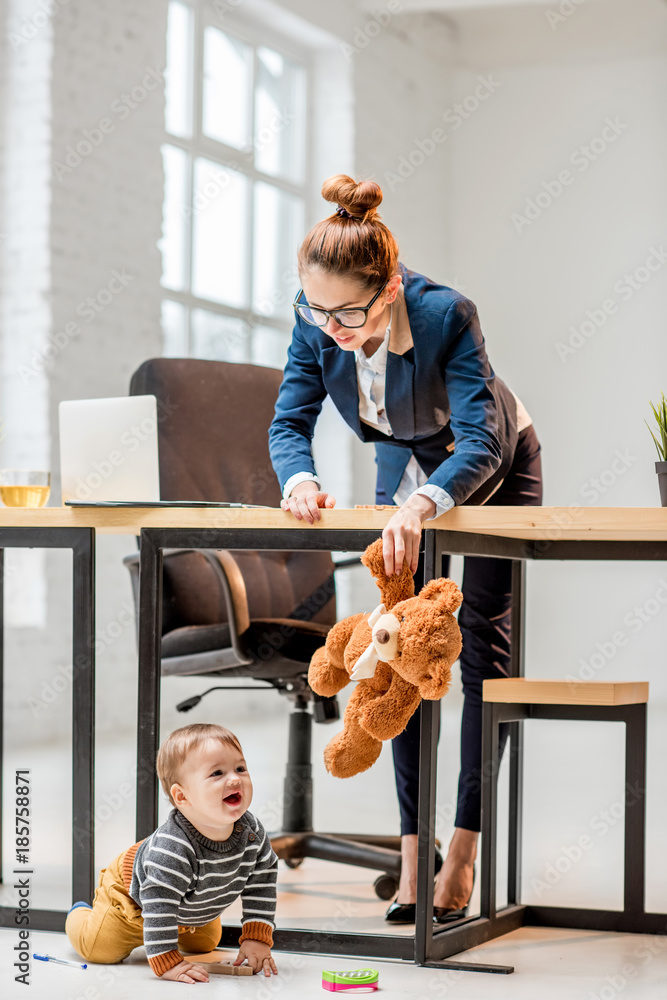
[(109, 449)]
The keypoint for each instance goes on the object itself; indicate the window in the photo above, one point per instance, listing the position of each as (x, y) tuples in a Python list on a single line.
[(235, 164)]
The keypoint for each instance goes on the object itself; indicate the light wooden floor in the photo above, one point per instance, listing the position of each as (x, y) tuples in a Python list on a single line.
[(550, 964)]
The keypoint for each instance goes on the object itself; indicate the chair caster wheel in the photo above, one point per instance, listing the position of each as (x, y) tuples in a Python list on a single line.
[(386, 886), (293, 862)]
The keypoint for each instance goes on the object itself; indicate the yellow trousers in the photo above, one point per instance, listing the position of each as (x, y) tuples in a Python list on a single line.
[(114, 927)]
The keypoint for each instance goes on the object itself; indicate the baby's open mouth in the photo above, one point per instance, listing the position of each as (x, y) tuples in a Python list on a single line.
[(233, 799)]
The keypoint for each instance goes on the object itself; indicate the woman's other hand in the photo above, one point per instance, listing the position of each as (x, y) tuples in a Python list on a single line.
[(305, 501), (402, 534)]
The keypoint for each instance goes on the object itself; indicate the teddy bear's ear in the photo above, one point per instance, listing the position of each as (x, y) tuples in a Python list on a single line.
[(442, 591)]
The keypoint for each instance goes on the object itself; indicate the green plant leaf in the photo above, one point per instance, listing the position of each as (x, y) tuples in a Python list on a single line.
[(660, 416), (657, 444)]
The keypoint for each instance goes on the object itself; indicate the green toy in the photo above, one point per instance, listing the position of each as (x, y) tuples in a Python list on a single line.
[(356, 979)]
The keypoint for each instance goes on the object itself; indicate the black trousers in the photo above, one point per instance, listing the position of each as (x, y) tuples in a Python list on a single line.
[(485, 622)]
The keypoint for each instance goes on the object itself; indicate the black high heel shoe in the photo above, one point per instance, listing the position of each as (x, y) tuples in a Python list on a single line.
[(444, 915), (406, 913)]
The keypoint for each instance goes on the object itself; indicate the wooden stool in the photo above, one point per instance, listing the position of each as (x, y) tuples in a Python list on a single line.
[(517, 698)]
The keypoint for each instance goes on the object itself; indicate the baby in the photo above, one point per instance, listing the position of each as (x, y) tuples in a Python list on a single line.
[(167, 892)]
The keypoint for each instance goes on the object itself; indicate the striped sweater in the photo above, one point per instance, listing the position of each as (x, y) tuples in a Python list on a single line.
[(181, 878)]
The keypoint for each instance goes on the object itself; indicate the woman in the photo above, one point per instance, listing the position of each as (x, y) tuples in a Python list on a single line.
[(404, 361)]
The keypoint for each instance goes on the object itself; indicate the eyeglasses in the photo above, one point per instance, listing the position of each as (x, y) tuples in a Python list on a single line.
[(350, 318)]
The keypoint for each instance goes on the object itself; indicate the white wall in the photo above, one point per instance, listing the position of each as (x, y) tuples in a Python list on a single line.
[(450, 201), (532, 284), (534, 281)]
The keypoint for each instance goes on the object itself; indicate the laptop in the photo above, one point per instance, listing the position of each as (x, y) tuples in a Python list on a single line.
[(109, 455), (108, 450)]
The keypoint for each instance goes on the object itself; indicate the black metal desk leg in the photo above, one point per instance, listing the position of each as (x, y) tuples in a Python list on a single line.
[(148, 721), (515, 812), (83, 715), (518, 630), (2, 687), (490, 766), (635, 809), (427, 946), (517, 669), (428, 733)]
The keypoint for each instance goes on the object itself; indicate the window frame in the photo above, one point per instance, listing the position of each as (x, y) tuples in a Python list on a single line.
[(199, 145)]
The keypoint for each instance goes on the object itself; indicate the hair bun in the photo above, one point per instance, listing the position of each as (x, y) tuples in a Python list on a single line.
[(360, 199)]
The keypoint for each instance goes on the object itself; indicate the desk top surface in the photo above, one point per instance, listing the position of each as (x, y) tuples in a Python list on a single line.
[(572, 523)]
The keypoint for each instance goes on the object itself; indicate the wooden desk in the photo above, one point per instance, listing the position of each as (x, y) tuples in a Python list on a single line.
[(516, 533), (545, 524)]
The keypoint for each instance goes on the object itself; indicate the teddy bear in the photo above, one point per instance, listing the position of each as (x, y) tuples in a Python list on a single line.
[(400, 653)]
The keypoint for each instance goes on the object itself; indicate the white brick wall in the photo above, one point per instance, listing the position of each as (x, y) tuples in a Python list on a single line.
[(106, 218), (76, 221), (26, 312), (70, 229), (24, 303)]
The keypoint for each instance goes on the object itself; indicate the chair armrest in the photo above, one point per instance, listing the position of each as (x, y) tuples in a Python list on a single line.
[(233, 589), (236, 585)]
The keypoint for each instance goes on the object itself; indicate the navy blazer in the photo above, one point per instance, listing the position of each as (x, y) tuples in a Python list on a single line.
[(443, 400)]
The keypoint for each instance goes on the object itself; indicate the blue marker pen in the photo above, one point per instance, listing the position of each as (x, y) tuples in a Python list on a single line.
[(60, 961)]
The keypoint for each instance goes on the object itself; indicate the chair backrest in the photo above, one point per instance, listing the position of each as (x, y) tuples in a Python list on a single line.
[(213, 422)]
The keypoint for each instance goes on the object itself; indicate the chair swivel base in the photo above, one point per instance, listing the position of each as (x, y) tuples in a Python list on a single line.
[(381, 853)]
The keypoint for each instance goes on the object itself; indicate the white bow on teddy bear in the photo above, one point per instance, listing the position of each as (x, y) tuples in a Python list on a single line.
[(383, 646)]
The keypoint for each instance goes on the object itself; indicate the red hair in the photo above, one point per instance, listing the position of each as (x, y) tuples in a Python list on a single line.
[(356, 244)]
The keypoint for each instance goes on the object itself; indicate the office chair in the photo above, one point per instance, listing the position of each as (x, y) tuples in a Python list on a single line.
[(247, 614)]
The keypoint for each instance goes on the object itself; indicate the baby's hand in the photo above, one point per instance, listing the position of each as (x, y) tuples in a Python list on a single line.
[(186, 972), (258, 955)]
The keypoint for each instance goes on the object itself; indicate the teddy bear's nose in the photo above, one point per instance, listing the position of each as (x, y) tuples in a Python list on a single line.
[(382, 635)]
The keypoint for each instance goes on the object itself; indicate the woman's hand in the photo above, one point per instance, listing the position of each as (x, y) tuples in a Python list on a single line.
[(305, 501), (402, 534)]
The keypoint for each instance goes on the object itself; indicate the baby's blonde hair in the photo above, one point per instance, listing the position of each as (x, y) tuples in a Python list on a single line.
[(179, 744)]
